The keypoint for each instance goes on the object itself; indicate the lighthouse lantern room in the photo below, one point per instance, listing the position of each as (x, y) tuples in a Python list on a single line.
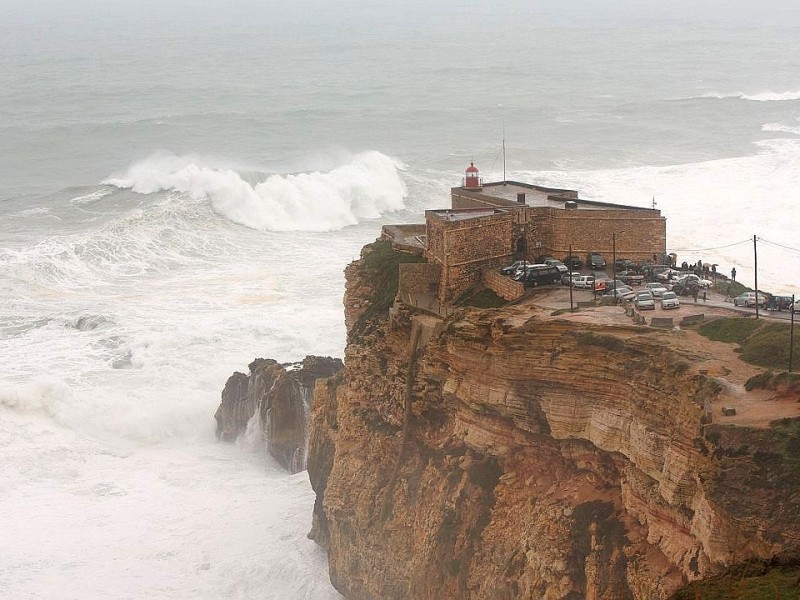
[(472, 178)]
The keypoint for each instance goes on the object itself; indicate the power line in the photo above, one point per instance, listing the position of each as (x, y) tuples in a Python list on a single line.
[(714, 248), (776, 244)]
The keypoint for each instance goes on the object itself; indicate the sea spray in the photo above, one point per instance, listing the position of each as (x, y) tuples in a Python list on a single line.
[(367, 187)]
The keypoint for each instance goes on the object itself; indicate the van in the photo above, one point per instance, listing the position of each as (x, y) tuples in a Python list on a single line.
[(583, 282), (537, 275)]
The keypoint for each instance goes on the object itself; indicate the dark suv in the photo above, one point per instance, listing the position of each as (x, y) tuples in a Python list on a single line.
[(573, 262), (596, 261)]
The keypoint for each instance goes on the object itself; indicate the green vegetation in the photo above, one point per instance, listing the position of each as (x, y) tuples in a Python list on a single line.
[(750, 581), (773, 381), (731, 288), (383, 260), (735, 330), (562, 311), (483, 298), (762, 343)]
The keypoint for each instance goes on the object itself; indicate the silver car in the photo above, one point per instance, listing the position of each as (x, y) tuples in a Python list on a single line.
[(644, 301), (670, 300), (657, 289)]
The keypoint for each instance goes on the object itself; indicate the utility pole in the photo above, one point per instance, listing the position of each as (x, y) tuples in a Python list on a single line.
[(755, 268), (791, 337), (614, 264), (570, 289)]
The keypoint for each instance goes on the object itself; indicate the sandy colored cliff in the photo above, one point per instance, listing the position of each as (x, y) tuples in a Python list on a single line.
[(512, 454)]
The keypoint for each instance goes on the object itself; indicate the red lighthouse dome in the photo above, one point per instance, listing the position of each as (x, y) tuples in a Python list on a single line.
[(472, 178)]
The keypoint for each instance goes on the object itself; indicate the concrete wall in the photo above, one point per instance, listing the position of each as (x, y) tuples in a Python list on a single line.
[(503, 286)]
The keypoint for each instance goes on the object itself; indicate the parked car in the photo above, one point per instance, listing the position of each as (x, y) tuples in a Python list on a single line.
[(537, 275), (779, 303), (583, 282), (570, 276), (514, 267), (655, 288), (749, 299), (667, 275), (573, 262), (620, 293), (557, 264), (631, 277), (596, 261), (644, 301), (670, 300), (542, 260)]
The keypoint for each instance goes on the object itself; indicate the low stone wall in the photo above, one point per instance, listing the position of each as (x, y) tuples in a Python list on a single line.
[(503, 286), (661, 322)]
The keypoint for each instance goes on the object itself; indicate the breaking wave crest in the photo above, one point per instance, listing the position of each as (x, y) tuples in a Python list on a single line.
[(761, 97), (365, 188)]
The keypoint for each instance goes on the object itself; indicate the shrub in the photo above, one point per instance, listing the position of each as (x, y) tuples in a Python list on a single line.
[(383, 261)]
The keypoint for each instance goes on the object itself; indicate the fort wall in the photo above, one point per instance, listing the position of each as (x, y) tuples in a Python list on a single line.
[(463, 247), (503, 286)]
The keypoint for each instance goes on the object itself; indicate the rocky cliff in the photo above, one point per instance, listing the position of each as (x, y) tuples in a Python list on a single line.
[(508, 453), (272, 403)]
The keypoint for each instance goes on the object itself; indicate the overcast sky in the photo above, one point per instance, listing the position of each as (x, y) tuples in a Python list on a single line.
[(545, 12)]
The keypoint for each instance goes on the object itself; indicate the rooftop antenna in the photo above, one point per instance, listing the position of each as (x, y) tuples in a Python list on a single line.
[(654, 203)]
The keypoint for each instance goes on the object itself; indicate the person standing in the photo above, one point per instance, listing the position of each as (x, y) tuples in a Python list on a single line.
[(733, 274)]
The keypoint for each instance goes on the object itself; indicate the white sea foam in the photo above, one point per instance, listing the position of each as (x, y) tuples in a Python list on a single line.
[(781, 128), (90, 197), (758, 97), (365, 188), (711, 205)]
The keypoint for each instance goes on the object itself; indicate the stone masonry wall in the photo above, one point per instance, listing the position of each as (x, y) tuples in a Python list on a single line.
[(419, 278), (639, 233), (464, 247), (503, 286)]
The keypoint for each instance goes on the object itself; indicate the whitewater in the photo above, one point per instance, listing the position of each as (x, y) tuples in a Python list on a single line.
[(180, 193)]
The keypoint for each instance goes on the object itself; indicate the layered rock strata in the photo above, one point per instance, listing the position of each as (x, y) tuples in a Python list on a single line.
[(518, 456), (272, 404)]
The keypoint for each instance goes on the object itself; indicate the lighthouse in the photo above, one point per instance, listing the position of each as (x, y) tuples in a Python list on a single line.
[(472, 178)]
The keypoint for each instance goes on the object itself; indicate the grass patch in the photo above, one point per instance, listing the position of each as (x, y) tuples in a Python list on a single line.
[(734, 330), (746, 582), (773, 381), (731, 288), (562, 311), (484, 298), (769, 346), (761, 343), (383, 262)]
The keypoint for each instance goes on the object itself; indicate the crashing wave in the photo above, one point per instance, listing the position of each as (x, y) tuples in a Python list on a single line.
[(365, 188)]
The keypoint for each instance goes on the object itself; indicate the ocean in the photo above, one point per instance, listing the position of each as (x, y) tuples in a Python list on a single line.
[(182, 186)]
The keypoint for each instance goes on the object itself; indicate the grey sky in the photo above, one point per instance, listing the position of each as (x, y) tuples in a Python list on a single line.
[(458, 12)]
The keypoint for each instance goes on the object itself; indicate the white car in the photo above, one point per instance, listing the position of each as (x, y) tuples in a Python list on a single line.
[(583, 282), (655, 288), (644, 301), (670, 300)]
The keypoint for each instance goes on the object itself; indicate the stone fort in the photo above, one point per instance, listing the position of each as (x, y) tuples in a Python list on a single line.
[(489, 225)]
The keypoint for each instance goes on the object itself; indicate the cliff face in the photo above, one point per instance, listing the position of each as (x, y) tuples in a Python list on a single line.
[(273, 403), (518, 456)]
